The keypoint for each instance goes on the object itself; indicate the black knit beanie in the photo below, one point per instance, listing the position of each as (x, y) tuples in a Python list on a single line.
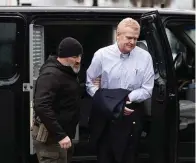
[(69, 47)]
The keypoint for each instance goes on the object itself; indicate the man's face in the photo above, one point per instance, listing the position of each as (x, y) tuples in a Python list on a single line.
[(127, 38), (74, 62)]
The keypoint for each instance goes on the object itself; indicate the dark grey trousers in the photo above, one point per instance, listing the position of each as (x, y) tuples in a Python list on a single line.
[(52, 153)]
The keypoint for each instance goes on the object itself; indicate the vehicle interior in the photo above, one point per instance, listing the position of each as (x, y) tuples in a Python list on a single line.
[(96, 35), (181, 37)]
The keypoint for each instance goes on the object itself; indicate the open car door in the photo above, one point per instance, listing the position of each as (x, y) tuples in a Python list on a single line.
[(164, 108)]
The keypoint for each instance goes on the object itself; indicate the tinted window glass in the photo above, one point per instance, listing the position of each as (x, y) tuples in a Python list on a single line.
[(176, 45), (190, 32), (7, 49)]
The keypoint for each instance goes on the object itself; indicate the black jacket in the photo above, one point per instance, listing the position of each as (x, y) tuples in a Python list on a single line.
[(108, 105), (108, 110), (56, 99)]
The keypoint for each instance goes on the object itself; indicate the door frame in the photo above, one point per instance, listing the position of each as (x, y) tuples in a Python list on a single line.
[(18, 118), (184, 19), (165, 109)]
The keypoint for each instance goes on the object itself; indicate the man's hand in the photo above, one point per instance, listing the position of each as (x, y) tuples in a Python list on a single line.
[(65, 143), (128, 111), (97, 81)]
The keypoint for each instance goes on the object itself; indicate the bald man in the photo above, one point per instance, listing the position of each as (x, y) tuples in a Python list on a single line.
[(122, 65)]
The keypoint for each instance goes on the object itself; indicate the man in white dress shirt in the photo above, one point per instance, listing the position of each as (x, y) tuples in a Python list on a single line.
[(122, 65)]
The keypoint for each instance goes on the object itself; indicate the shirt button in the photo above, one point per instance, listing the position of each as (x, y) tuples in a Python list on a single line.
[(134, 123)]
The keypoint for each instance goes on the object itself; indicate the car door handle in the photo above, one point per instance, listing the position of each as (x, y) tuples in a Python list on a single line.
[(161, 94), (160, 100)]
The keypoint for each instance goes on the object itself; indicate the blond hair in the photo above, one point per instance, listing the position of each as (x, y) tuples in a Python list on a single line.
[(128, 22)]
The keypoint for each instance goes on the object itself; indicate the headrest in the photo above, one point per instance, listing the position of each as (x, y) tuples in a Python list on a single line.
[(142, 44)]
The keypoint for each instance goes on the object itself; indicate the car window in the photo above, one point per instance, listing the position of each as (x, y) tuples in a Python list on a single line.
[(190, 31), (175, 44), (7, 48)]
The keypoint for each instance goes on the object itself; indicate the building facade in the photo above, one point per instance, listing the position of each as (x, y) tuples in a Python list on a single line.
[(179, 4)]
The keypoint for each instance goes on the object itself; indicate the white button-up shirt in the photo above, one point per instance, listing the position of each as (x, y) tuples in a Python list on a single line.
[(132, 71)]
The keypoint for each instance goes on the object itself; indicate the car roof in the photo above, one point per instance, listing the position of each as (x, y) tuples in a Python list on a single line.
[(165, 11)]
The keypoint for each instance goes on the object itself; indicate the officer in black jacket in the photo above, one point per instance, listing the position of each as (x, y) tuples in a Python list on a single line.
[(56, 102)]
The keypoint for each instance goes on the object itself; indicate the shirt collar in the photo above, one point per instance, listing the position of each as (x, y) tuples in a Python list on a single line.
[(119, 53)]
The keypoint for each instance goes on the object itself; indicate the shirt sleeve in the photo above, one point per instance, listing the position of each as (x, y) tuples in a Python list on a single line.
[(94, 70), (145, 91), (45, 94)]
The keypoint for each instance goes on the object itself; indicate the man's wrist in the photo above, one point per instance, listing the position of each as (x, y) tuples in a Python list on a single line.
[(128, 103)]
